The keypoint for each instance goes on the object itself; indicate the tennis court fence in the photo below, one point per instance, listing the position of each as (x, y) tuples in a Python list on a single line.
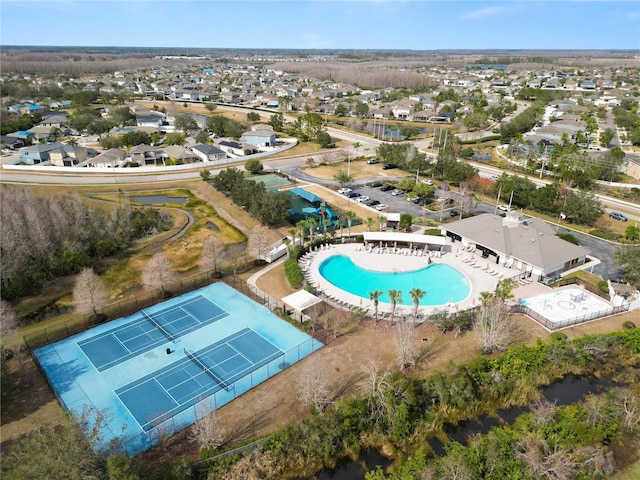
[(545, 322), (61, 330)]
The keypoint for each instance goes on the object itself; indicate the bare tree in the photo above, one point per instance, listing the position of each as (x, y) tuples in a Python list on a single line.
[(207, 431), (158, 273), (493, 326), (405, 343), (313, 388), (89, 293), (376, 384), (8, 321), (259, 242), (212, 250)]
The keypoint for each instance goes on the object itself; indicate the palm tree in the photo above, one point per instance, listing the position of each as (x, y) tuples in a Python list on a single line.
[(416, 294), (374, 296), (396, 297), (504, 288), (301, 227), (351, 215), (311, 225), (381, 221), (356, 147), (72, 141), (368, 222)]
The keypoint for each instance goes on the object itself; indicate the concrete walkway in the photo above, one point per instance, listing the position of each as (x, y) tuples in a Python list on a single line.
[(477, 276)]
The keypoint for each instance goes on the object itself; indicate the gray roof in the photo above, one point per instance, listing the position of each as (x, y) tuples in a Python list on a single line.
[(529, 239), (208, 149)]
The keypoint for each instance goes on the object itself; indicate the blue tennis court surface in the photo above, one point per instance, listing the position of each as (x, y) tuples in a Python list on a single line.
[(222, 344), (141, 335)]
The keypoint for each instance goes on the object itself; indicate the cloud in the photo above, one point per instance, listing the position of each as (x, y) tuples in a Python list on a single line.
[(483, 13)]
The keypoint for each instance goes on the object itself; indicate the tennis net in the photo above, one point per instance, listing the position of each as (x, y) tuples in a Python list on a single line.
[(207, 370), (157, 325)]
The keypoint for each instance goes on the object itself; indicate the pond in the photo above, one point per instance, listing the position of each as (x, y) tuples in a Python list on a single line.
[(152, 199)]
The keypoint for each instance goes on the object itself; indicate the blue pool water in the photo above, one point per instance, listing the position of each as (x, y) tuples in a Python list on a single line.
[(442, 283)]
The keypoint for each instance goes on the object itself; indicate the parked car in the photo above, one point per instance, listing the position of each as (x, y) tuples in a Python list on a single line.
[(397, 192), (443, 187), (344, 191), (373, 203), (389, 166), (353, 194), (447, 201), (454, 213), (618, 216), (363, 199), (427, 182), (387, 188), (381, 206), (375, 184), (504, 208), (372, 161), (419, 201)]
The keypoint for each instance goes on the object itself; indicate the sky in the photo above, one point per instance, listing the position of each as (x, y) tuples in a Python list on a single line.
[(318, 24)]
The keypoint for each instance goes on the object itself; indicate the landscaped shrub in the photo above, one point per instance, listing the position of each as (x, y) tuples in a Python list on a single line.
[(293, 273), (607, 235), (629, 325), (433, 231), (603, 286), (559, 336), (569, 238)]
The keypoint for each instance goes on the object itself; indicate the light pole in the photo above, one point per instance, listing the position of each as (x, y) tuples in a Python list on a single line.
[(348, 165)]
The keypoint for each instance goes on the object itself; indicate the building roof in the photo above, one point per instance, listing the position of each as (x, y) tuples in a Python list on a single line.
[(528, 239), (208, 149), (308, 196), (301, 300)]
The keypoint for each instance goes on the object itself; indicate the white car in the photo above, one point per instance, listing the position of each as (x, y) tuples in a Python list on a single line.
[(363, 199), (427, 182), (344, 191), (381, 206), (504, 208), (397, 192)]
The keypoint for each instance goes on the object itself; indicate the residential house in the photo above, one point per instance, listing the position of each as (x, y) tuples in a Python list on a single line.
[(182, 155), (209, 153), (260, 135), (145, 155), (112, 158), (36, 154), (233, 148), (58, 120), (67, 156), (11, 142)]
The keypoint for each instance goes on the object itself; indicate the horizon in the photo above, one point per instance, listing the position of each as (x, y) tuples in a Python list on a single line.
[(374, 25)]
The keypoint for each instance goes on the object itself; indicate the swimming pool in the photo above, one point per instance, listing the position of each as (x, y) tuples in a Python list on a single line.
[(442, 283)]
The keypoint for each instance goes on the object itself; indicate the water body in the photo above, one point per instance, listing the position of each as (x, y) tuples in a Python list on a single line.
[(569, 390), (151, 199)]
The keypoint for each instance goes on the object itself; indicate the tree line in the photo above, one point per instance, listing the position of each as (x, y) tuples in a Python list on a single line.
[(45, 237)]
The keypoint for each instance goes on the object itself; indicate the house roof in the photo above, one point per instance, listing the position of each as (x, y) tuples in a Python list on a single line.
[(208, 149), (529, 239)]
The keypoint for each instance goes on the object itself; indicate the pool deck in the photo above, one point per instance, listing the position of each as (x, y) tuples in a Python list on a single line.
[(479, 279)]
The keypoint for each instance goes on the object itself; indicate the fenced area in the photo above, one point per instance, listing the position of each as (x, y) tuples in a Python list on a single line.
[(154, 378), (566, 307)]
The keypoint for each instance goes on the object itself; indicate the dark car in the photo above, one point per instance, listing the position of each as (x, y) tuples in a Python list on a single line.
[(443, 187), (453, 213), (389, 166), (375, 184), (419, 201), (387, 188), (353, 194), (372, 203)]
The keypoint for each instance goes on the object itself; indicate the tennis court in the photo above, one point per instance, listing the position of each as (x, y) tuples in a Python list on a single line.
[(156, 371), (567, 305)]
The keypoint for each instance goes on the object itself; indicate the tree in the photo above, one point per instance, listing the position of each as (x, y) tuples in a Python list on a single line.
[(395, 296), (253, 165), (632, 233), (158, 273), (356, 147), (210, 106), (202, 137), (324, 139), (374, 296), (207, 432), (342, 177), (406, 220), (369, 223), (350, 215), (205, 175), (582, 207), (504, 289), (605, 137), (404, 341), (90, 293), (493, 326), (253, 116), (62, 451), (313, 388), (629, 258), (175, 138), (361, 110), (186, 123), (8, 323), (277, 122), (416, 295), (212, 249), (259, 242)]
